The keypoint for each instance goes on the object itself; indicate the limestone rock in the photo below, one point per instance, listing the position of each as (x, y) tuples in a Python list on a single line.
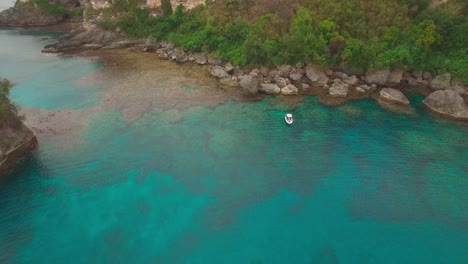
[(447, 102), (270, 88), (350, 80), (340, 75), (284, 70), (230, 81), (379, 77), (296, 74), (281, 82), (393, 96), (394, 78), (200, 58), (290, 89), (249, 84), (315, 75), (338, 89), (219, 72), (441, 82), (215, 62), (150, 45)]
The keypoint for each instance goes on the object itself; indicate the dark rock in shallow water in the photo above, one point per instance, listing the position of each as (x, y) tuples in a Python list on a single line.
[(249, 84), (448, 103), (393, 96), (14, 144)]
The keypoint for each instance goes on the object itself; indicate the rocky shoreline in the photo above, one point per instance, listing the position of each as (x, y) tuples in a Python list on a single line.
[(445, 96), (15, 144)]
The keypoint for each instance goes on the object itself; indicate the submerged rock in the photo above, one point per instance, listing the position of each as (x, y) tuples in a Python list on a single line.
[(14, 144), (448, 103), (393, 96), (249, 84), (270, 88)]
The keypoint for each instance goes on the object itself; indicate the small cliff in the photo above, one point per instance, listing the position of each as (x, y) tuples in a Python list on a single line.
[(16, 140), (14, 144)]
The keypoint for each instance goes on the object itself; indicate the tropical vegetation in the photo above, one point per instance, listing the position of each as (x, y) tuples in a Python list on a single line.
[(352, 34)]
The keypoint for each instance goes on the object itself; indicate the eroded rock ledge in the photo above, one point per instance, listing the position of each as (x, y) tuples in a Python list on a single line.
[(15, 143)]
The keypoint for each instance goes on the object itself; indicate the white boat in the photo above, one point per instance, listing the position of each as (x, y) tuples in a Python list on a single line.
[(289, 119)]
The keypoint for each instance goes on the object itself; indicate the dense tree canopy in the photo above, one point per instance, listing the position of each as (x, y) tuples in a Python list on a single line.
[(354, 34)]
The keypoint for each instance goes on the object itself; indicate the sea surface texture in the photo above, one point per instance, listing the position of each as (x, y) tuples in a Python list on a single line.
[(221, 180)]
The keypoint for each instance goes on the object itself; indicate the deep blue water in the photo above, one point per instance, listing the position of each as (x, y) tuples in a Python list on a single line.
[(231, 183)]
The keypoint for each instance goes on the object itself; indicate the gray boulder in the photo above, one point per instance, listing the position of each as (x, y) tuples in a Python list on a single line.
[(219, 72), (150, 45), (179, 55), (338, 89), (448, 103), (393, 96), (284, 70), (296, 74), (249, 84), (281, 82), (229, 81), (290, 89), (441, 82), (350, 80), (315, 75), (379, 77), (427, 76), (340, 75), (458, 89), (200, 58), (270, 88), (394, 78), (229, 68), (215, 62)]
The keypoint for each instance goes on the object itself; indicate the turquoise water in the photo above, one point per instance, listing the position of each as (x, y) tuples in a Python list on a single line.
[(232, 183)]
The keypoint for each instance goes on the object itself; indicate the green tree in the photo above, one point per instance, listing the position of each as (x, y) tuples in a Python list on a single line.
[(166, 7)]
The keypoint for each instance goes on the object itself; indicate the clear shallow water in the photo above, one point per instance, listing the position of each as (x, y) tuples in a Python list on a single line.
[(234, 184)]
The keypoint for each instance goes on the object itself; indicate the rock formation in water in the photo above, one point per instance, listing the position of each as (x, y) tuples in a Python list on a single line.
[(16, 139), (15, 143), (448, 103)]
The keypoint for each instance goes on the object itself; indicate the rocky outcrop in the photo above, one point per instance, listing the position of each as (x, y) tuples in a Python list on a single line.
[(447, 103), (27, 16), (338, 89), (90, 39), (391, 95), (315, 75), (379, 77), (270, 88), (441, 82), (394, 78), (249, 84), (219, 72), (289, 89), (14, 143)]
